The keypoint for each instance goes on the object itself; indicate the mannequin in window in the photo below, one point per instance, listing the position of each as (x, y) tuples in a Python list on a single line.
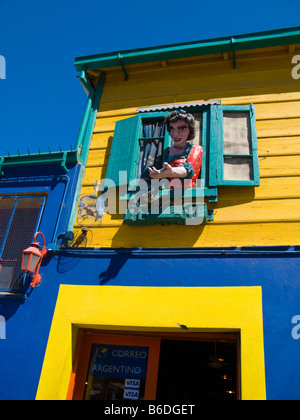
[(184, 161)]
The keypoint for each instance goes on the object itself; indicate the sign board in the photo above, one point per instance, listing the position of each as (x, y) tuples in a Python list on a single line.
[(117, 372), (2, 328)]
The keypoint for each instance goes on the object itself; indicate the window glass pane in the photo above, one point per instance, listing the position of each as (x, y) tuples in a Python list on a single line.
[(151, 149), (151, 154), (153, 128), (117, 372), (5, 275), (236, 132), (238, 169), (198, 128)]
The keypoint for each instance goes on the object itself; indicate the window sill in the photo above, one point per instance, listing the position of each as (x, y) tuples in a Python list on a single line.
[(13, 295), (199, 216)]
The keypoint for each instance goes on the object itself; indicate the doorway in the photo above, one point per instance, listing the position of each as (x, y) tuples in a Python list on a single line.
[(164, 367), (197, 370)]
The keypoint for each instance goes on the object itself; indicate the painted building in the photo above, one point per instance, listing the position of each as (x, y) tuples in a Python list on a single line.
[(199, 299)]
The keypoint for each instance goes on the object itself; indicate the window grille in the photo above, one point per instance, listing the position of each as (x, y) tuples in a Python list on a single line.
[(19, 220)]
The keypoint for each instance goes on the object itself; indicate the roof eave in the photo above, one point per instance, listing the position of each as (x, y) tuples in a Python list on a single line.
[(192, 49), (61, 158)]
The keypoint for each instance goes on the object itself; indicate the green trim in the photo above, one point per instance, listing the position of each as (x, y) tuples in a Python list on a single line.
[(254, 146), (85, 84), (171, 215), (1, 163), (209, 191), (120, 58), (216, 153), (190, 49), (89, 119), (124, 151), (85, 120), (233, 52), (51, 158), (76, 198), (215, 145)]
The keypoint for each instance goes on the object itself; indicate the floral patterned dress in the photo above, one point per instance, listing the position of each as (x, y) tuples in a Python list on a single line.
[(191, 159)]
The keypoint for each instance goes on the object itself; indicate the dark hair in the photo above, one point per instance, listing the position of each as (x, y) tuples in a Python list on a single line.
[(180, 114)]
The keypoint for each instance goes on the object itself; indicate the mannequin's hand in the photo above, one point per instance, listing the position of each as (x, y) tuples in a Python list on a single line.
[(165, 172)]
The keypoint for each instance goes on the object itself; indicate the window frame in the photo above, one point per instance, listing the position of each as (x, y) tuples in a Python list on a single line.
[(212, 167), (190, 193), (216, 147), (86, 338), (7, 232), (166, 137)]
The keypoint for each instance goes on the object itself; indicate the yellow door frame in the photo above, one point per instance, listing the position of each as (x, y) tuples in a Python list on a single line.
[(154, 309)]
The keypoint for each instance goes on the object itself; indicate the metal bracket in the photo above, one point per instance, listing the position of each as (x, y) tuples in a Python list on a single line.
[(1, 163), (120, 59), (232, 43), (64, 161)]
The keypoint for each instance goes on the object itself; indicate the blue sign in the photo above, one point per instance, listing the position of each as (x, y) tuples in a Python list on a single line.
[(114, 361)]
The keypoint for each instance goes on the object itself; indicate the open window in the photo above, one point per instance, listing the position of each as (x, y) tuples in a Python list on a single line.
[(227, 135)]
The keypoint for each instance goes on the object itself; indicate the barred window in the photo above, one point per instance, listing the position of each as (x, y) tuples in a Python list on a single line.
[(19, 219)]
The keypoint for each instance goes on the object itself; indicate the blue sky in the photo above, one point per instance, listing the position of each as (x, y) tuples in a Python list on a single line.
[(41, 100)]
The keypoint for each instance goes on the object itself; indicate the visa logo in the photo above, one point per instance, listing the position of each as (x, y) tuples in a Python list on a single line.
[(130, 394), (132, 383)]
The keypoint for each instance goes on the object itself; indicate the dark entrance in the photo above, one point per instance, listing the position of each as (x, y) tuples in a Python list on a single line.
[(198, 370)]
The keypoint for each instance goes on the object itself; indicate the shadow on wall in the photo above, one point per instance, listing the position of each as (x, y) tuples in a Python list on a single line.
[(115, 265), (179, 235)]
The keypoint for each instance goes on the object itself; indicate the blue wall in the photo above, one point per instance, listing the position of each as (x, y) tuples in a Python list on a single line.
[(276, 271), (28, 320)]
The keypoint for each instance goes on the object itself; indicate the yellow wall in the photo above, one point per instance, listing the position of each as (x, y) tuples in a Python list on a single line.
[(266, 215)]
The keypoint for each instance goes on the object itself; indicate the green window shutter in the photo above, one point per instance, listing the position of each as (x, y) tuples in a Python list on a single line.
[(124, 151), (215, 136), (233, 154)]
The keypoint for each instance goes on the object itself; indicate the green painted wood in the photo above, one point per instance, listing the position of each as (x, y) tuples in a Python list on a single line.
[(216, 152), (124, 151), (189, 49), (51, 158)]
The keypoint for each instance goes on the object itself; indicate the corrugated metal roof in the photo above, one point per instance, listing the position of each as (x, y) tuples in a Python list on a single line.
[(169, 107)]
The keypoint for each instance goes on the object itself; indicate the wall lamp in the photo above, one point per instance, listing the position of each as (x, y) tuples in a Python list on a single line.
[(32, 259)]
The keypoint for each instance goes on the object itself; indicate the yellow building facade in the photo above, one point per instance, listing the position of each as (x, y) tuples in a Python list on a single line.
[(264, 216)]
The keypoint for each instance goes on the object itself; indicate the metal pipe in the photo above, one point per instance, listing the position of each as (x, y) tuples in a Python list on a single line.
[(86, 139), (85, 84), (84, 122)]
